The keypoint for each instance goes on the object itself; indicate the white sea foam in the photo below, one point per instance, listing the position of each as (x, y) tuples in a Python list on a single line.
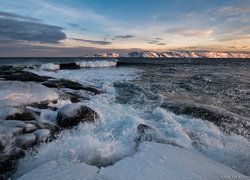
[(96, 64), (50, 66)]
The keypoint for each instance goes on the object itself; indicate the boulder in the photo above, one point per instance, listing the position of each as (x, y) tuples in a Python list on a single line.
[(23, 76), (29, 128), (69, 66), (71, 115), (4, 140), (15, 113), (26, 140), (42, 135)]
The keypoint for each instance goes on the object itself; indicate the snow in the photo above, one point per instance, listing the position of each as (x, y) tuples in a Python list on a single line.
[(151, 161), (187, 54), (25, 92), (61, 169)]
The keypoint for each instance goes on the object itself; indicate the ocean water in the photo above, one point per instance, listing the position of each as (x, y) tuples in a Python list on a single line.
[(138, 91)]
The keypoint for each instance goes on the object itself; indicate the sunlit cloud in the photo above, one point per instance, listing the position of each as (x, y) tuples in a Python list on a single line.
[(185, 31)]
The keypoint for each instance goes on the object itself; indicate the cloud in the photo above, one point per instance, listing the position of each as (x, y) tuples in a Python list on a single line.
[(77, 26), (17, 49), (124, 36), (16, 29), (232, 10), (236, 38), (15, 16), (184, 31), (157, 38), (92, 41)]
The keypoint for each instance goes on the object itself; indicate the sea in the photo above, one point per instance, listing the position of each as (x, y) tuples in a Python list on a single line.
[(203, 105)]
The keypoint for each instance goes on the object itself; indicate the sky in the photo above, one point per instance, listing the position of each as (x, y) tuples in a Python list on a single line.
[(79, 27)]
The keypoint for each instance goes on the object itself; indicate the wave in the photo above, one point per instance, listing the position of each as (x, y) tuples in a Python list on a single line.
[(96, 63), (78, 65)]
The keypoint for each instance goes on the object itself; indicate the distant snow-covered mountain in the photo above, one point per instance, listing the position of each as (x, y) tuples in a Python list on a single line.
[(187, 54)]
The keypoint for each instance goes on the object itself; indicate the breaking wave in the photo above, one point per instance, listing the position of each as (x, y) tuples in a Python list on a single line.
[(78, 65)]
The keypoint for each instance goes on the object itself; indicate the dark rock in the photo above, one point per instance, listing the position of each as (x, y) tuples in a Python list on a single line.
[(147, 133), (227, 121), (143, 128), (4, 140), (71, 115), (69, 66), (21, 114), (26, 140), (23, 76), (64, 83), (41, 125), (9, 161)]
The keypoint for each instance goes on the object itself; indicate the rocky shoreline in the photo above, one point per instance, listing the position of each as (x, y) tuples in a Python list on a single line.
[(23, 95)]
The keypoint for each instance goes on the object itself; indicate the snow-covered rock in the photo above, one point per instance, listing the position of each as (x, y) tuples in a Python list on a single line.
[(25, 92), (151, 161), (71, 115)]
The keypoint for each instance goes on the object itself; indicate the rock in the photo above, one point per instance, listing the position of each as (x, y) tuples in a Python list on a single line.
[(26, 140), (147, 133), (64, 83), (23, 76), (19, 114), (227, 121), (10, 130), (143, 128), (69, 66), (42, 135), (4, 140), (41, 125), (29, 128), (12, 123), (9, 161), (71, 115)]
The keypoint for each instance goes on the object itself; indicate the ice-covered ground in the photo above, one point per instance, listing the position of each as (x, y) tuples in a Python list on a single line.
[(151, 161), (111, 140)]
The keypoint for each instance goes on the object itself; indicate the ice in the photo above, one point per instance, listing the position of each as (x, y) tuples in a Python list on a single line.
[(25, 92), (151, 161), (61, 169)]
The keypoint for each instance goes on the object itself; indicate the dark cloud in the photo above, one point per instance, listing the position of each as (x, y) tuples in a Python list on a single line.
[(124, 36), (92, 41), (20, 29), (77, 26), (159, 39), (15, 16), (17, 49), (157, 42)]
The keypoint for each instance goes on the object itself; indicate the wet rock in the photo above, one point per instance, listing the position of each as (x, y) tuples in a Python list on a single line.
[(42, 125), (9, 161), (10, 130), (29, 128), (26, 140), (147, 133), (64, 83), (21, 115), (227, 121), (69, 66), (4, 140), (71, 115), (143, 128), (42, 135), (12, 123), (23, 76)]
